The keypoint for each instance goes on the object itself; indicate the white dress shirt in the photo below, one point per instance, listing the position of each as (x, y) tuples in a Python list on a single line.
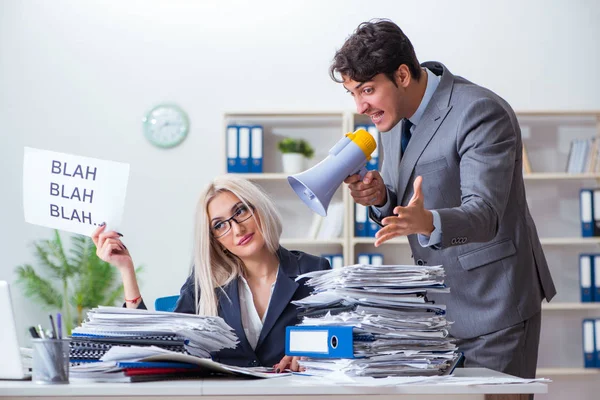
[(251, 322)]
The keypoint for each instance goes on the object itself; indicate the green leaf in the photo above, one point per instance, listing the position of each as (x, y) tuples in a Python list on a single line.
[(85, 280), (290, 145), (43, 255), (37, 287)]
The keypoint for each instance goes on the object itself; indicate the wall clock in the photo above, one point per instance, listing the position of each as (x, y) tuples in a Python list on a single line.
[(166, 125)]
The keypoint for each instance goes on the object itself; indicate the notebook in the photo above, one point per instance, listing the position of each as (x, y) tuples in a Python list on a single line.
[(12, 366)]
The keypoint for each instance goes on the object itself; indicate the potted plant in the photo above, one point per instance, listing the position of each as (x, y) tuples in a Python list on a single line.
[(294, 152), (70, 282)]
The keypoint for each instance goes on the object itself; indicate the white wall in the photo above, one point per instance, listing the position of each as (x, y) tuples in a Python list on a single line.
[(77, 77)]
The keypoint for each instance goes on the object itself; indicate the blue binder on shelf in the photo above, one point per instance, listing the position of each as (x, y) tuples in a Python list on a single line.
[(360, 221), (363, 259), (370, 259), (586, 277), (589, 346), (372, 226), (232, 149), (244, 149), (596, 279), (373, 164), (376, 259), (256, 154), (597, 337), (596, 211), (586, 209), (319, 341), (335, 260)]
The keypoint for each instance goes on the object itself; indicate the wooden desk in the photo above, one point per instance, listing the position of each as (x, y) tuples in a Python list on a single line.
[(290, 387)]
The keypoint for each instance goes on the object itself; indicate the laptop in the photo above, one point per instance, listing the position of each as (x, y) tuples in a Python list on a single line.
[(12, 366)]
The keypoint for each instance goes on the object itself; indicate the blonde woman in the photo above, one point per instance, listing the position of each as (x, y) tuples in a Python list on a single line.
[(240, 273)]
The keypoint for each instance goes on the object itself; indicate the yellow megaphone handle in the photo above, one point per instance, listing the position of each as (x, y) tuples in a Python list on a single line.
[(364, 140)]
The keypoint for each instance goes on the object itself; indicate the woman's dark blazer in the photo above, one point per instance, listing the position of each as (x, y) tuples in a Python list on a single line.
[(270, 348)]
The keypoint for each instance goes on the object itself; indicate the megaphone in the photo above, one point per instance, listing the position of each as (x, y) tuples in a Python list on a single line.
[(349, 156)]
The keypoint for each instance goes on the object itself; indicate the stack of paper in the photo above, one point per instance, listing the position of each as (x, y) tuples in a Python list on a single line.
[(142, 364), (397, 330), (109, 326), (26, 359)]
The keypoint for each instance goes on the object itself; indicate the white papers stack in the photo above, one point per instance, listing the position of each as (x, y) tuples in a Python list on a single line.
[(26, 359), (116, 366), (397, 330), (202, 335)]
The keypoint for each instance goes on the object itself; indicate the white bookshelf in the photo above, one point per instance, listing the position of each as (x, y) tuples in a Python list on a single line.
[(547, 176), (570, 306), (553, 199), (569, 241), (368, 240), (268, 176)]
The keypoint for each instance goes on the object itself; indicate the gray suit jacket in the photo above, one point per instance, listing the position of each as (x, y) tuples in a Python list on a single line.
[(467, 148)]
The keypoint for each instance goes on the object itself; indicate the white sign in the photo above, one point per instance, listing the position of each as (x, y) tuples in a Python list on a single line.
[(73, 193)]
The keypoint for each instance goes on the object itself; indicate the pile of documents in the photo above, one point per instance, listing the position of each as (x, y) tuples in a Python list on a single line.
[(397, 330), (106, 327), (144, 364), (26, 359)]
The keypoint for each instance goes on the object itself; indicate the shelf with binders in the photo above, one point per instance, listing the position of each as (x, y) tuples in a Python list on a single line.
[(251, 138), (561, 336), (302, 229), (558, 173)]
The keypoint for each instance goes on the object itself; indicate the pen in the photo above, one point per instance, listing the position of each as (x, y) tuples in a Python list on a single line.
[(41, 332), (59, 325), (54, 336), (33, 332)]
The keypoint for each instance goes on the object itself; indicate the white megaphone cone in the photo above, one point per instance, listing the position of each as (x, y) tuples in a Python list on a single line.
[(349, 156)]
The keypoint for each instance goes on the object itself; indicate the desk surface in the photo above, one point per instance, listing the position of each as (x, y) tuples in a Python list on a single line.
[(284, 386)]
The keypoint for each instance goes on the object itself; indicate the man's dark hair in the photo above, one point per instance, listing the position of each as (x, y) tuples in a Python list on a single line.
[(378, 46)]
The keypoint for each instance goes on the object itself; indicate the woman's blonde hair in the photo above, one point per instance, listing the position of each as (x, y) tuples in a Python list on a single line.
[(213, 267)]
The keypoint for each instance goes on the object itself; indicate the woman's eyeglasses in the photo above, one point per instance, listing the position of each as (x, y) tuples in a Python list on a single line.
[(222, 228)]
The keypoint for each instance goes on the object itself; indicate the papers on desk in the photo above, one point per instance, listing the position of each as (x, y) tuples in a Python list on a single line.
[(26, 359), (106, 327), (121, 359), (397, 330), (340, 379), (137, 364)]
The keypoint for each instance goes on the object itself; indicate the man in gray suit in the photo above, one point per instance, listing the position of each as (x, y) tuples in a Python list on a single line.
[(453, 183)]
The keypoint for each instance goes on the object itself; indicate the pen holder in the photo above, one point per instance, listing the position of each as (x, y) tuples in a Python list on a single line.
[(50, 361)]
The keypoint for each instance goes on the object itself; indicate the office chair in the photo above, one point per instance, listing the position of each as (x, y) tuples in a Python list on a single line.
[(167, 303)]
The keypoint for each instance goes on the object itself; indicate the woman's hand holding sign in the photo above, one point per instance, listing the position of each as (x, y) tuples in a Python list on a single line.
[(110, 249)]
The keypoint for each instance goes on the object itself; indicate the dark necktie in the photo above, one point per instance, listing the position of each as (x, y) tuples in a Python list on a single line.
[(404, 139)]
